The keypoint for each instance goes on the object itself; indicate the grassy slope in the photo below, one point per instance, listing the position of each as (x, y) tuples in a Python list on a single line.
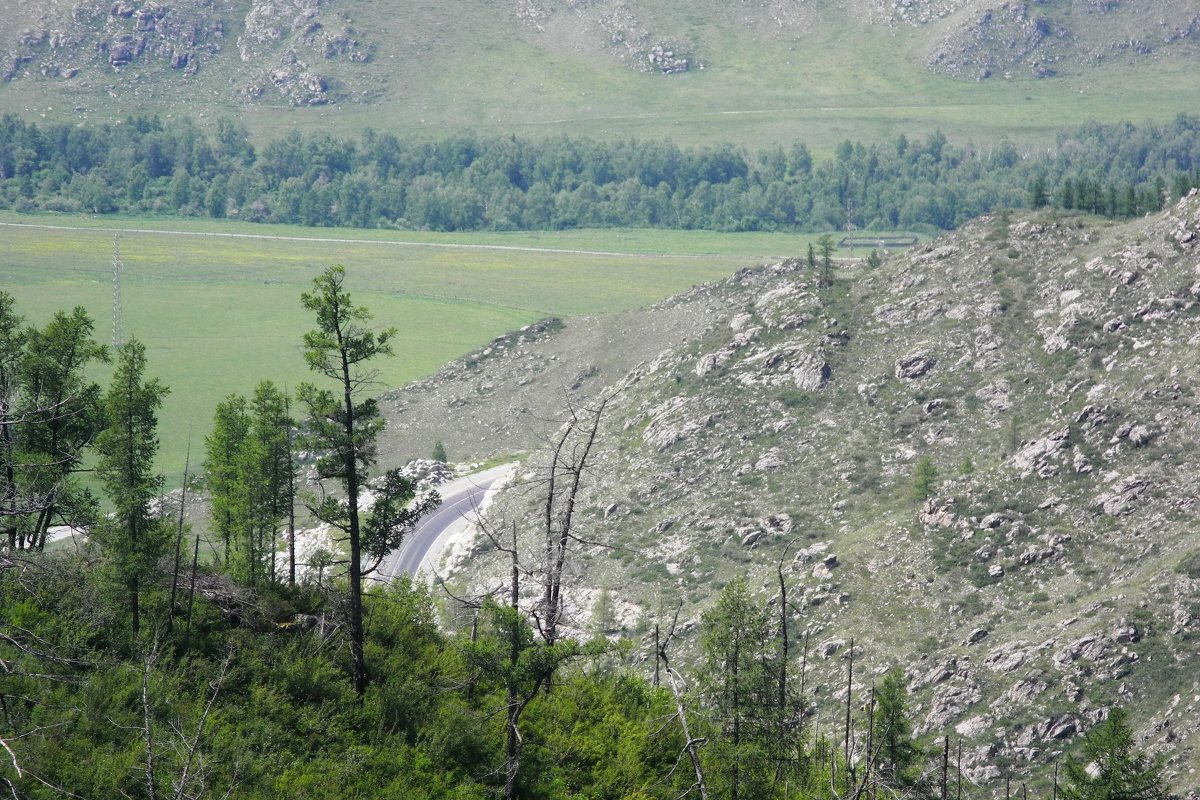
[(219, 313), (472, 65)]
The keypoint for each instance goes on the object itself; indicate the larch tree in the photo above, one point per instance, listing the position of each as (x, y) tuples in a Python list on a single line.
[(133, 537), (1112, 768), (275, 471), (64, 415), (251, 475), (49, 413), (343, 425), (739, 683), (223, 451), (826, 247), (898, 753)]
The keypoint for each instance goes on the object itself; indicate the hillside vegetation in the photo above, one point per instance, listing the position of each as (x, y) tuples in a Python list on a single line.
[(855, 513), (976, 461), (758, 72)]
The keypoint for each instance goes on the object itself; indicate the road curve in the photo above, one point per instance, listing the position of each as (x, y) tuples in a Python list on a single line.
[(460, 499)]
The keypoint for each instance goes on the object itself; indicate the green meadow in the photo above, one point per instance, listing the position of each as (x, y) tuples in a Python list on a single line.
[(217, 304)]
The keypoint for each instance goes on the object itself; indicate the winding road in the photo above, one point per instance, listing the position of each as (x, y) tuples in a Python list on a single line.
[(461, 498)]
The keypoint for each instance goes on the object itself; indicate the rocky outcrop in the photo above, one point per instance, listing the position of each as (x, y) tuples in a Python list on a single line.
[(1000, 40), (178, 34), (914, 365)]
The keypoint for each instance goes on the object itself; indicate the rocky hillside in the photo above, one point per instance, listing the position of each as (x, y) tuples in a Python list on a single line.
[(527, 60), (1044, 38), (978, 461), (264, 48), (276, 41)]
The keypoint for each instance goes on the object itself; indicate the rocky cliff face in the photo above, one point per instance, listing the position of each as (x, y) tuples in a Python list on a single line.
[(1044, 368)]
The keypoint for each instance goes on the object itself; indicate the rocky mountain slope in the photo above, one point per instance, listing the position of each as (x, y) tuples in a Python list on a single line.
[(568, 55), (1035, 377)]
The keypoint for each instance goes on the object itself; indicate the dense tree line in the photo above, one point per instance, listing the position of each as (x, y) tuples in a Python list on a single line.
[(247, 702), (477, 182)]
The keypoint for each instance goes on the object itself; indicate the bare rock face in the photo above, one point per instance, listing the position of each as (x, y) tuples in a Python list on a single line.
[(811, 372), (949, 702), (279, 40), (1123, 496), (1040, 455), (996, 396), (300, 86), (1012, 39), (939, 512), (294, 34), (1000, 40), (671, 423), (914, 365), (110, 36), (124, 49)]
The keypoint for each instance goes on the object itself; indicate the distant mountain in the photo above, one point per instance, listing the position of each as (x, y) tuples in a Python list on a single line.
[(977, 461), (605, 63)]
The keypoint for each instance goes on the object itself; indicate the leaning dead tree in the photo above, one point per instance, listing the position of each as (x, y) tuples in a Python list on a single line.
[(692, 744), (525, 663), (569, 455)]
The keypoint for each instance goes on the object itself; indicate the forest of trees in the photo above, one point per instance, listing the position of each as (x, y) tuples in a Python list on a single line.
[(129, 670), (479, 182)]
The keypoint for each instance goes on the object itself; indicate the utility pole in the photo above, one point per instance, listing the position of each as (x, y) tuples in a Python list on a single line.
[(118, 314)]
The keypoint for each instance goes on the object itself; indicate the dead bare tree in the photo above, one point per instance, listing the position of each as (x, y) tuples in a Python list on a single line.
[(692, 745), (529, 666), (568, 460), (185, 756)]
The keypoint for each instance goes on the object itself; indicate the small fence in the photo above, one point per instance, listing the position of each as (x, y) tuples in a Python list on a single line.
[(890, 242)]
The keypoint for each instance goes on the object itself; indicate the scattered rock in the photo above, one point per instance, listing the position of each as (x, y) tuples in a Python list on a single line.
[(829, 647), (1125, 632), (1038, 456), (996, 396), (1123, 496), (914, 365)]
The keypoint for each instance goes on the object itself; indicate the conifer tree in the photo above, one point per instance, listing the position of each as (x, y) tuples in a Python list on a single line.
[(1111, 767), (133, 538), (63, 416), (49, 413), (273, 468), (223, 448), (344, 425), (893, 729)]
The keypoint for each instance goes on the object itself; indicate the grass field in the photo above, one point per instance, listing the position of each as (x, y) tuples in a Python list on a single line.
[(217, 304)]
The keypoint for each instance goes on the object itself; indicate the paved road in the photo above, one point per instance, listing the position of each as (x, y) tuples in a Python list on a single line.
[(343, 240), (460, 499)]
